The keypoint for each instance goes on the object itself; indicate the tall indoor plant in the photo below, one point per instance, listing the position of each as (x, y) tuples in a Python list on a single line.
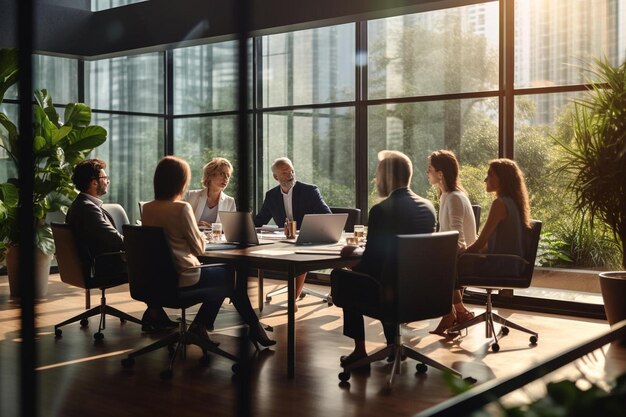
[(57, 148), (595, 162)]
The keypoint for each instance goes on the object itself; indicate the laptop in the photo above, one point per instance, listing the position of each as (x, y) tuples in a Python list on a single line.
[(238, 228), (320, 229)]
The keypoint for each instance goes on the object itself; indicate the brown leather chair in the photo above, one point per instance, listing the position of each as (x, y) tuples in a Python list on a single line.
[(501, 281), (418, 285), (73, 272)]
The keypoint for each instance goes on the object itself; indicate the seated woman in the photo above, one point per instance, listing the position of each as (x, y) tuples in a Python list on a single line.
[(506, 225), (168, 211), (207, 202), (455, 213)]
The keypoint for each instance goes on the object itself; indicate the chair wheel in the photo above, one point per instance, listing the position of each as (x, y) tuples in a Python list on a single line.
[(122, 320), (58, 332), (421, 368), (268, 299), (533, 340), (98, 336), (235, 368), (504, 330), (84, 323), (166, 375), (495, 347), (302, 295), (128, 362), (330, 303), (205, 360), (344, 376)]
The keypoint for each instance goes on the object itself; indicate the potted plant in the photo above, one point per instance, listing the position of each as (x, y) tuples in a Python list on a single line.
[(57, 148), (595, 165)]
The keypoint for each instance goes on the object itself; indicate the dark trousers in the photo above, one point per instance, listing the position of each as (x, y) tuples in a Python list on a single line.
[(354, 327)]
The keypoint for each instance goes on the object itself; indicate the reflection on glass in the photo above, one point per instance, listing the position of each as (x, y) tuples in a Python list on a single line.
[(131, 83), (205, 78), (309, 66), (8, 169), (469, 128), (97, 5), (447, 51), (554, 38), (199, 139), (133, 148), (320, 144)]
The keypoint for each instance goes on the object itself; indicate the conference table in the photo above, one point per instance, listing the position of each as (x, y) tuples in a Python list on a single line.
[(280, 257)]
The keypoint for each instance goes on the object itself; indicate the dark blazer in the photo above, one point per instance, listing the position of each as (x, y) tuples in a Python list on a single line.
[(94, 230), (306, 199), (402, 212)]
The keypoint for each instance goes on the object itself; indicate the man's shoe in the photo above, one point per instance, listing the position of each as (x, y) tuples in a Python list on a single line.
[(151, 324), (347, 360)]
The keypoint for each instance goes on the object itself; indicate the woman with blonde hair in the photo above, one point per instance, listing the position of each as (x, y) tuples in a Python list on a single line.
[(207, 202), (455, 213)]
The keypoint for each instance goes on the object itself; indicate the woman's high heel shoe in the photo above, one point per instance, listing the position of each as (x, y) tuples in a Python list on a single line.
[(447, 321), (258, 337), (464, 316)]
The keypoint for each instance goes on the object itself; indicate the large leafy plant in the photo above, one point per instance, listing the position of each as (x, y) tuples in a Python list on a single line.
[(595, 160), (57, 148)]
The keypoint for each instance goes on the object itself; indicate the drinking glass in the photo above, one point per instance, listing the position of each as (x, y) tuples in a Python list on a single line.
[(216, 230)]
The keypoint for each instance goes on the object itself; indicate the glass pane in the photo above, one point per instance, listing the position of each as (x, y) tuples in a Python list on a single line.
[(131, 83), (58, 75), (97, 5), (320, 143), (197, 140), (555, 37), (446, 51), (134, 146), (469, 128), (205, 78), (309, 66), (566, 241), (8, 169)]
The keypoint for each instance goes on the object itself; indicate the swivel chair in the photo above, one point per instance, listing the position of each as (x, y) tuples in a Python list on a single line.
[(503, 280), (354, 217), (74, 272), (417, 284), (153, 279)]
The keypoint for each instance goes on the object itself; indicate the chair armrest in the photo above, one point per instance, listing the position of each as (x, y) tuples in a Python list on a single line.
[(355, 290), (191, 268)]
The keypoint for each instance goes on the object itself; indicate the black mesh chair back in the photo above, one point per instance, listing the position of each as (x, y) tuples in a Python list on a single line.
[(354, 216)]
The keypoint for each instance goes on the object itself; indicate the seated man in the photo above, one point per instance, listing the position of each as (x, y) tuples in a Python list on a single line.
[(402, 212), (95, 231), (290, 199)]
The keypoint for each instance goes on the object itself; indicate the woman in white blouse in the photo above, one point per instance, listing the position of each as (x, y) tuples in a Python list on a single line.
[(210, 200), (455, 213)]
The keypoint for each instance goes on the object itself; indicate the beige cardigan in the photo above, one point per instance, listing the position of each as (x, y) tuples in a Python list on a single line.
[(186, 240)]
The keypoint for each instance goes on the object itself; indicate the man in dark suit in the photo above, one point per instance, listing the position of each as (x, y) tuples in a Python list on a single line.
[(290, 199), (402, 212), (95, 233)]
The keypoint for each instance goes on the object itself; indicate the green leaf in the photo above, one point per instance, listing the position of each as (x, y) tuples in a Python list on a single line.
[(77, 114), (88, 138), (44, 239), (9, 194), (39, 143), (9, 70)]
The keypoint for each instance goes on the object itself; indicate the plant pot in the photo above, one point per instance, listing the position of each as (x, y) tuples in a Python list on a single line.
[(42, 271), (613, 286)]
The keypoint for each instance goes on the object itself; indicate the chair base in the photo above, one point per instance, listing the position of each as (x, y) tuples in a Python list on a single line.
[(398, 350), (102, 310), (176, 343), (305, 291), (489, 317)]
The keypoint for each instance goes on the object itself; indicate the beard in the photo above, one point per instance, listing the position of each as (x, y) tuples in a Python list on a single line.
[(101, 189), (288, 184)]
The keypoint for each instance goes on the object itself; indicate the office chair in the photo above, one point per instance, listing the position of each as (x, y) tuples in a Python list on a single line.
[(417, 285), (476, 209), (354, 217), (117, 212), (73, 272), (503, 281), (153, 279)]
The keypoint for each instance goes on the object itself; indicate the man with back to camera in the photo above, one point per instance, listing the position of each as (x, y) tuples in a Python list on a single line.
[(95, 232), (290, 199), (401, 212)]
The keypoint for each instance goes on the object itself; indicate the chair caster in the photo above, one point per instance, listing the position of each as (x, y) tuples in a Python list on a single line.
[(344, 376), (533, 340), (330, 303), (495, 347), (166, 375), (302, 295), (421, 368), (268, 300), (128, 363), (122, 320), (84, 323), (235, 368), (58, 333), (171, 349), (98, 336), (205, 360), (504, 330)]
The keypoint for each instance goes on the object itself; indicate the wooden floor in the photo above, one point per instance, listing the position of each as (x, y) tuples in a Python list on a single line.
[(79, 378)]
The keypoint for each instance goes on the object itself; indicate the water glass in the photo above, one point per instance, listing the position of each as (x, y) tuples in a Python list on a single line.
[(216, 231)]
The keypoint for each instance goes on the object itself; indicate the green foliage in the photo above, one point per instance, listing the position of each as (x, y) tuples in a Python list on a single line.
[(594, 163), (57, 148)]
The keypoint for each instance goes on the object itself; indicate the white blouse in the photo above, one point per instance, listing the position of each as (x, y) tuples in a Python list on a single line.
[(455, 213)]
